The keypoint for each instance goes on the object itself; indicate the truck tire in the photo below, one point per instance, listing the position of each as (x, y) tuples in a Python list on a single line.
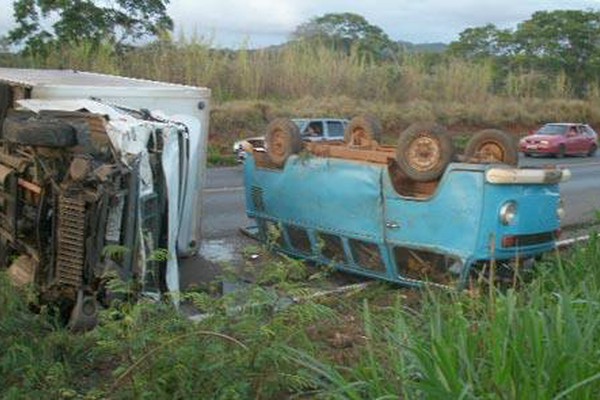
[(493, 146), (361, 129), (282, 140), (424, 151), (38, 132)]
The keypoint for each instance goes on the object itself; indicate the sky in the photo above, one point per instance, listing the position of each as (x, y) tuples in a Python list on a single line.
[(259, 23)]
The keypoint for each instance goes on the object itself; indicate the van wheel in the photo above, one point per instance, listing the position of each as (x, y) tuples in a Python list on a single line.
[(492, 146), (38, 132), (282, 140), (424, 151), (361, 130)]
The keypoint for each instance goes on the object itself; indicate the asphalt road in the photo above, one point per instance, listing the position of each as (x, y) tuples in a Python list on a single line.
[(224, 211), (581, 194)]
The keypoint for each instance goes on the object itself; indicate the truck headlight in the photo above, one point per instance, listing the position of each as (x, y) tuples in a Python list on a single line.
[(508, 212), (560, 210)]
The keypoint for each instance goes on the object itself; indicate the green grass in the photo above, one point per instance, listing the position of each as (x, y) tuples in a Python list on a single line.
[(538, 341)]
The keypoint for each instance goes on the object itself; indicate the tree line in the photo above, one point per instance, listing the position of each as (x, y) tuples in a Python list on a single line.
[(547, 46)]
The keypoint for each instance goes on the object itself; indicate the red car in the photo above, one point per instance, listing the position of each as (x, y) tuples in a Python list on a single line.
[(560, 139)]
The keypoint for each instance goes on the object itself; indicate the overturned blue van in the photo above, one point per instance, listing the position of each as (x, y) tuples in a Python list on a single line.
[(365, 218)]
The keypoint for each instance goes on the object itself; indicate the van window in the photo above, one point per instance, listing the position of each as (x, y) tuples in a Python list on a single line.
[(331, 247), (335, 129), (299, 239), (367, 255)]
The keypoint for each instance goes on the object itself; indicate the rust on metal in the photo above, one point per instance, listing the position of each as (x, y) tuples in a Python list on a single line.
[(32, 187), (79, 168), (373, 153), (423, 153), (22, 271)]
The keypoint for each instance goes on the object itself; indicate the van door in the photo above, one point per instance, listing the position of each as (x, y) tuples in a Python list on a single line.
[(430, 224)]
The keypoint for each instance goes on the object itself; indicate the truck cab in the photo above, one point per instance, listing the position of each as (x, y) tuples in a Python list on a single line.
[(95, 186)]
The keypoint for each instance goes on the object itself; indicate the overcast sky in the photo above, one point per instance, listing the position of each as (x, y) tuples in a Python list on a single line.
[(256, 23)]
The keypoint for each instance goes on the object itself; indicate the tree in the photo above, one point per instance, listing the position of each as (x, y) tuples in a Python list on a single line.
[(563, 40), (551, 42), (345, 31), (41, 23), (482, 42)]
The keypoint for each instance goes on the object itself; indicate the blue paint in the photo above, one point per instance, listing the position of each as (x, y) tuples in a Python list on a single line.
[(356, 201)]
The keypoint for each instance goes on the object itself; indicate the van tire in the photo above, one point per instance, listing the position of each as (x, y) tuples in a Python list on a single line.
[(493, 146), (282, 140), (38, 132), (423, 152), (362, 129)]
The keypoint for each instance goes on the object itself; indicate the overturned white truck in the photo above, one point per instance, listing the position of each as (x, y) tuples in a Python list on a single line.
[(100, 177)]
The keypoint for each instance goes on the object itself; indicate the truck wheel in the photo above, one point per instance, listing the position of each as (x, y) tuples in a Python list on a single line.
[(424, 151), (362, 129), (492, 146), (282, 140), (38, 132)]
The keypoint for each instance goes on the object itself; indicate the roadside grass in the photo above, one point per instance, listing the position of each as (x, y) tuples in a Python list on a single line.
[(274, 340), (218, 156)]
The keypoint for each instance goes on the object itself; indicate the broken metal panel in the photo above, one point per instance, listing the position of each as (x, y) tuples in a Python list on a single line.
[(170, 157), (8, 200)]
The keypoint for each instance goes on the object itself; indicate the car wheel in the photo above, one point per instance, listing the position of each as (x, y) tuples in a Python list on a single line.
[(527, 154), (561, 151), (282, 140), (492, 146), (592, 150), (362, 129), (424, 151)]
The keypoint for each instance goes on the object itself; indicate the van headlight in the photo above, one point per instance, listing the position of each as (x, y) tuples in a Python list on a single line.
[(508, 212), (560, 210)]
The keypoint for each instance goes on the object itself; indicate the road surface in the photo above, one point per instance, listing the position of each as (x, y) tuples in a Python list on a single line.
[(224, 211)]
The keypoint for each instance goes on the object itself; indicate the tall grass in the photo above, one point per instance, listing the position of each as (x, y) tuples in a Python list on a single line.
[(538, 341), (250, 87), (302, 69)]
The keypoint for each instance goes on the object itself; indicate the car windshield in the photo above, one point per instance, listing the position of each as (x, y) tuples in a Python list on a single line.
[(552, 130), (300, 123)]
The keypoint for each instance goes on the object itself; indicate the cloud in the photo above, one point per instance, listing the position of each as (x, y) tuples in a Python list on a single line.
[(238, 16)]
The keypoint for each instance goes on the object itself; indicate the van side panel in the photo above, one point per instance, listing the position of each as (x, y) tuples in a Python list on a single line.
[(325, 194), (447, 222)]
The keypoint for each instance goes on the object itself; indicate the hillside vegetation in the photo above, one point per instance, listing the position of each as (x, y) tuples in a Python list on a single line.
[(252, 86)]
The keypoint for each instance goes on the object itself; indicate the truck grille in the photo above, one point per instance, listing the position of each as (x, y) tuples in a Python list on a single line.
[(71, 241)]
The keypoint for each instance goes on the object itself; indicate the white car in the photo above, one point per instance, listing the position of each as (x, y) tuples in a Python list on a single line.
[(312, 129)]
